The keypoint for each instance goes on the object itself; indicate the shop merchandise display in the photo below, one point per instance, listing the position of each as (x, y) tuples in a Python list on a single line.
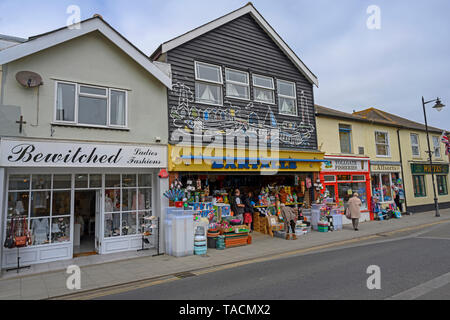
[(61, 230), (201, 212), (18, 236), (40, 230)]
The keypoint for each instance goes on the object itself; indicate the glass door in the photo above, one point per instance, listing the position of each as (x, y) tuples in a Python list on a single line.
[(98, 221)]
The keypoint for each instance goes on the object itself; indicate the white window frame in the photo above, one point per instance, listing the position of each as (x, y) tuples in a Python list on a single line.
[(388, 144), (264, 88), (206, 80), (78, 93), (242, 84), (209, 82), (288, 97), (415, 145), (438, 146)]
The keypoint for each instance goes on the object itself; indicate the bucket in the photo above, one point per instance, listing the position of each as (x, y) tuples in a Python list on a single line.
[(212, 242)]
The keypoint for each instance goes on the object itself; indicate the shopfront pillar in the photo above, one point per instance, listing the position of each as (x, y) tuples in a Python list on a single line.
[(2, 205)]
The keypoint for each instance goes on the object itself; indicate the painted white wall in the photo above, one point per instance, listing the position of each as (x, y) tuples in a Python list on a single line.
[(89, 59)]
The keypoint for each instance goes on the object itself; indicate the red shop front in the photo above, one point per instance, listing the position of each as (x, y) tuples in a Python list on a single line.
[(342, 176)]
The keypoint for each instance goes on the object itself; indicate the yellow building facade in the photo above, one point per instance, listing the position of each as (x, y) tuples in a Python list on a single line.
[(396, 148)]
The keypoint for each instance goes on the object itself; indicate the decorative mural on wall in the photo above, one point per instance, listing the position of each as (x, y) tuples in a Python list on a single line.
[(186, 115)]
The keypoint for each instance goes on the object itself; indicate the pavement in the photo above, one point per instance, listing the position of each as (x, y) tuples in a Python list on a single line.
[(140, 270), (412, 267)]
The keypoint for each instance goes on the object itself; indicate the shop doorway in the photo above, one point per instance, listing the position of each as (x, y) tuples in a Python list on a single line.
[(87, 223)]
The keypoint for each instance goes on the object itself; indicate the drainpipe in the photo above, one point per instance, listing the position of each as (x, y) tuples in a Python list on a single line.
[(401, 166)]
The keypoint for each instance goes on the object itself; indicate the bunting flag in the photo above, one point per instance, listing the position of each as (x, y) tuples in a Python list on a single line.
[(446, 142)]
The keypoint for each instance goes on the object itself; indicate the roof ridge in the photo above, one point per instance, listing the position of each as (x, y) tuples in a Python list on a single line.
[(231, 16)]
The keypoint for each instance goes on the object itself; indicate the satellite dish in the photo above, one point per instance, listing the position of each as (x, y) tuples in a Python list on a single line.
[(29, 79)]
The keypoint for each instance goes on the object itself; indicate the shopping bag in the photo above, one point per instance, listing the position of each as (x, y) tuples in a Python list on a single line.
[(9, 241), (348, 214)]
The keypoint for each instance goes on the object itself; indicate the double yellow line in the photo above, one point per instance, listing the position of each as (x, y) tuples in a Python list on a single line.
[(98, 293)]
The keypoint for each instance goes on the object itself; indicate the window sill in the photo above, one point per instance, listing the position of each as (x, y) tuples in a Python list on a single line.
[(209, 103), (82, 126), (266, 102), (237, 98)]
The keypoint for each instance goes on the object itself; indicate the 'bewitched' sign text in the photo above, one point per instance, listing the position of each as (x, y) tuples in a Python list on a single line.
[(20, 153)]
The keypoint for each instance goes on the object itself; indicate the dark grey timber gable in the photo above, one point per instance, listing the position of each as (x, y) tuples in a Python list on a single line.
[(243, 45)]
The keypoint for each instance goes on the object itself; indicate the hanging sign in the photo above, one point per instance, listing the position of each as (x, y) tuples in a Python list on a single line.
[(30, 153)]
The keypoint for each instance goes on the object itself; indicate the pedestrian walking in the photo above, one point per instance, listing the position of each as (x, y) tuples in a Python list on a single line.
[(354, 208), (290, 216)]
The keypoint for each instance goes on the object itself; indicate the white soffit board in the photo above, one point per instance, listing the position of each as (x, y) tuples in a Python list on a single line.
[(232, 16), (54, 38)]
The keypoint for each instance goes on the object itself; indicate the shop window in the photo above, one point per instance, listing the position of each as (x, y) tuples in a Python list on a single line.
[(62, 181), (128, 200), (208, 87), (436, 147), (382, 144), (346, 191), (81, 181), (419, 186), (45, 201), (18, 203), (41, 181), (359, 178), (382, 185), (442, 185), (331, 191), (287, 102), (345, 138), (329, 178), (344, 177), (19, 182), (61, 202), (415, 145), (263, 89), (95, 181), (60, 229), (90, 105), (237, 84), (112, 181)]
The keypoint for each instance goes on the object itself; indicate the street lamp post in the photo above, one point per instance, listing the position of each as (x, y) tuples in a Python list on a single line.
[(438, 106)]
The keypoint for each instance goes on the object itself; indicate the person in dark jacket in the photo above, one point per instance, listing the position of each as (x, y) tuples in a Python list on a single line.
[(238, 205)]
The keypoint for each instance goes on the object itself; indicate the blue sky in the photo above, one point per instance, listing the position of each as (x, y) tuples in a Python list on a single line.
[(390, 68)]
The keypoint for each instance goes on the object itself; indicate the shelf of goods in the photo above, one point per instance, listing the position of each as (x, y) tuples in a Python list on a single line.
[(236, 236)]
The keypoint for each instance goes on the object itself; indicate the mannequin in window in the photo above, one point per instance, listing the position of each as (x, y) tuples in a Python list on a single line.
[(19, 207), (109, 206), (40, 230), (138, 201)]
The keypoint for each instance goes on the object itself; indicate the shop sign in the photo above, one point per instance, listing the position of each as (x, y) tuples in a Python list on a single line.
[(428, 169), (286, 165), (21, 153), (345, 165), (385, 168)]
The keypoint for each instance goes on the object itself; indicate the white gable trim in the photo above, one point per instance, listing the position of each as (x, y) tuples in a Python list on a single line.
[(232, 16), (66, 34)]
